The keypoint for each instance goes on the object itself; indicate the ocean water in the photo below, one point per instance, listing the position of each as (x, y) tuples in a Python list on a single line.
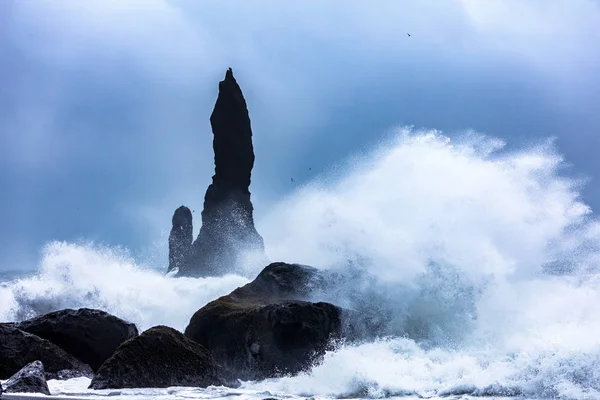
[(481, 263)]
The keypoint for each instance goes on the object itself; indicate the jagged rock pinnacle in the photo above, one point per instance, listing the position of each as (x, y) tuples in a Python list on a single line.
[(227, 218), (232, 142)]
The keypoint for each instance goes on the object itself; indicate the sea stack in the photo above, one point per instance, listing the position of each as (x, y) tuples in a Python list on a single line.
[(181, 238), (227, 231)]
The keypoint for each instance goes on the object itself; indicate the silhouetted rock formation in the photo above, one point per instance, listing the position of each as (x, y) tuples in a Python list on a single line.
[(18, 348), (92, 336), (181, 238), (227, 222), (159, 357), (30, 379), (265, 328)]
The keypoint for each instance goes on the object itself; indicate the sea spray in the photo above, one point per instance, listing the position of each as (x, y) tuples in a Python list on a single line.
[(87, 275), (478, 264), (481, 264)]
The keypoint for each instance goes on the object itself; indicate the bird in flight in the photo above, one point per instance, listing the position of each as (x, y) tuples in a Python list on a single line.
[(292, 179), (408, 34)]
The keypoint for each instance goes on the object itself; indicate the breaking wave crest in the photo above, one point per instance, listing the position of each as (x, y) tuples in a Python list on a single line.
[(86, 275), (479, 265)]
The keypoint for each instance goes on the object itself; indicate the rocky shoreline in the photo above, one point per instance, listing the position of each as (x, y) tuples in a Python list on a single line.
[(264, 329), (267, 328)]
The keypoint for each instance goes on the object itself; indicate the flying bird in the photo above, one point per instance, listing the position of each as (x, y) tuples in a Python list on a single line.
[(292, 179), (408, 34)]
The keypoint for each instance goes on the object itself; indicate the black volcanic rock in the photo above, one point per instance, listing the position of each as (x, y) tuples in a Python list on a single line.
[(30, 379), (181, 237), (159, 357), (18, 348), (282, 281), (90, 335), (227, 218), (265, 328)]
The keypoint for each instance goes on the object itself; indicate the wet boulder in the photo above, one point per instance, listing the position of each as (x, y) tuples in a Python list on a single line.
[(19, 348), (159, 357), (90, 335), (267, 328), (30, 379)]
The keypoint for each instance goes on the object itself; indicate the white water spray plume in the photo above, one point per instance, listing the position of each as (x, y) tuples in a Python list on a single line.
[(479, 264)]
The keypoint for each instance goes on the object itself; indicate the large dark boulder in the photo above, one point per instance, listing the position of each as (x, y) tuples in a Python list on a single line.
[(227, 231), (19, 348), (282, 281), (266, 328), (30, 379), (90, 335), (159, 357)]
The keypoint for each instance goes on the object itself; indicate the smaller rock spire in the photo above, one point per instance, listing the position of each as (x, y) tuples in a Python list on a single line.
[(181, 237)]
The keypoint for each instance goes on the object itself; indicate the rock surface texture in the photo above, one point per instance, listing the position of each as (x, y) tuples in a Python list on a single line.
[(180, 238), (265, 328), (30, 379), (227, 230), (159, 357), (19, 348), (92, 336)]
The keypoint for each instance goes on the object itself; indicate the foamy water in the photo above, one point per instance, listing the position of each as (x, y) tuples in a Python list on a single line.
[(482, 265), (84, 275)]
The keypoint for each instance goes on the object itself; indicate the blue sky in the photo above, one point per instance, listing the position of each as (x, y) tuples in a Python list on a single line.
[(104, 104)]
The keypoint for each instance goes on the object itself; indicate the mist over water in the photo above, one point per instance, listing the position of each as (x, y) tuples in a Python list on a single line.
[(480, 266), (481, 263), (85, 275)]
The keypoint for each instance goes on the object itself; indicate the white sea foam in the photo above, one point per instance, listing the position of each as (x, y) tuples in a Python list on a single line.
[(85, 275), (481, 263)]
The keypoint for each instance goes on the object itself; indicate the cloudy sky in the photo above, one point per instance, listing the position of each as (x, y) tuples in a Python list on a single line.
[(104, 104)]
